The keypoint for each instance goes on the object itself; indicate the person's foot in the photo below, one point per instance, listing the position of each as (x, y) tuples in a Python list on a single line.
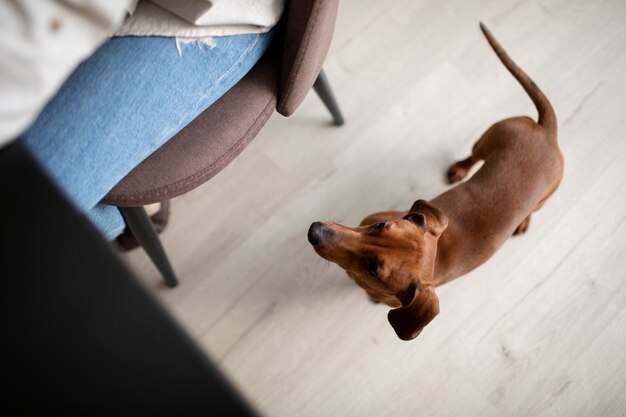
[(159, 213)]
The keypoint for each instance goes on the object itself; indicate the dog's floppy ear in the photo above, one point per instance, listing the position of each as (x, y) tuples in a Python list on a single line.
[(426, 215), (419, 307)]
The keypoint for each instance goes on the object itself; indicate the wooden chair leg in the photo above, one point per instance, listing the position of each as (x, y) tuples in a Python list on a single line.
[(323, 90), (141, 226)]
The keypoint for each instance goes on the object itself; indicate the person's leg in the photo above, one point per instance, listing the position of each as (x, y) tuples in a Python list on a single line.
[(126, 100)]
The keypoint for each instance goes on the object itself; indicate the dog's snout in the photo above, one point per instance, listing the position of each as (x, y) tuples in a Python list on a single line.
[(317, 232)]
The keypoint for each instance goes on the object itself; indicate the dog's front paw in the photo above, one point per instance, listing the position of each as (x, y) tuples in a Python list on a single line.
[(373, 300), (523, 227), (456, 173)]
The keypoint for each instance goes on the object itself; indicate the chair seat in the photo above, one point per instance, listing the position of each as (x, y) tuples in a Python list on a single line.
[(206, 145)]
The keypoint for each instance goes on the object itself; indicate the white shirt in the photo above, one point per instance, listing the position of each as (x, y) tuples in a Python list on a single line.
[(201, 18)]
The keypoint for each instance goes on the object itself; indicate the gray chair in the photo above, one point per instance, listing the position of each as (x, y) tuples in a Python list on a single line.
[(278, 82)]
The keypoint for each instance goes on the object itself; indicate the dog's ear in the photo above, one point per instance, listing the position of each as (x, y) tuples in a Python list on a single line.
[(426, 215), (419, 307)]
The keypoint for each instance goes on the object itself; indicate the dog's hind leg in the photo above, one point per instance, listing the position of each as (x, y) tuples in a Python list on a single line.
[(523, 227), (459, 169)]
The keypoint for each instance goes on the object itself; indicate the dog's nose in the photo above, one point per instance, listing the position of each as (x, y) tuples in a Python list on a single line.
[(316, 232)]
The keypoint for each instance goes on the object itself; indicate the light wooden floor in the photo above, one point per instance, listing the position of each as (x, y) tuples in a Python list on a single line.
[(540, 330)]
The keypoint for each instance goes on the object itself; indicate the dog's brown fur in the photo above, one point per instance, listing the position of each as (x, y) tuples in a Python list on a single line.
[(400, 257)]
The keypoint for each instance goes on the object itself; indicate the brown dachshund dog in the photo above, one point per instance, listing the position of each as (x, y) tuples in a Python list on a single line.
[(399, 258)]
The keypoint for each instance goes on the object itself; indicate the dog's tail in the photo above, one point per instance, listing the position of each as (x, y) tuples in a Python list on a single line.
[(547, 118)]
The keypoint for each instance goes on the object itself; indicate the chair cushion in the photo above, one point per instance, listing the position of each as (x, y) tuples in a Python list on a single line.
[(206, 145)]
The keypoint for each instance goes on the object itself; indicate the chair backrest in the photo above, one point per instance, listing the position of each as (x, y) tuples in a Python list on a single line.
[(309, 28)]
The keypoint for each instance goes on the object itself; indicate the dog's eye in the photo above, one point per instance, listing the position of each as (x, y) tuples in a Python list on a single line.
[(372, 267), (379, 225)]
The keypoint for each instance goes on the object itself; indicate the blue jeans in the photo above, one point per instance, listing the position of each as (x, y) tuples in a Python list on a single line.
[(124, 102)]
